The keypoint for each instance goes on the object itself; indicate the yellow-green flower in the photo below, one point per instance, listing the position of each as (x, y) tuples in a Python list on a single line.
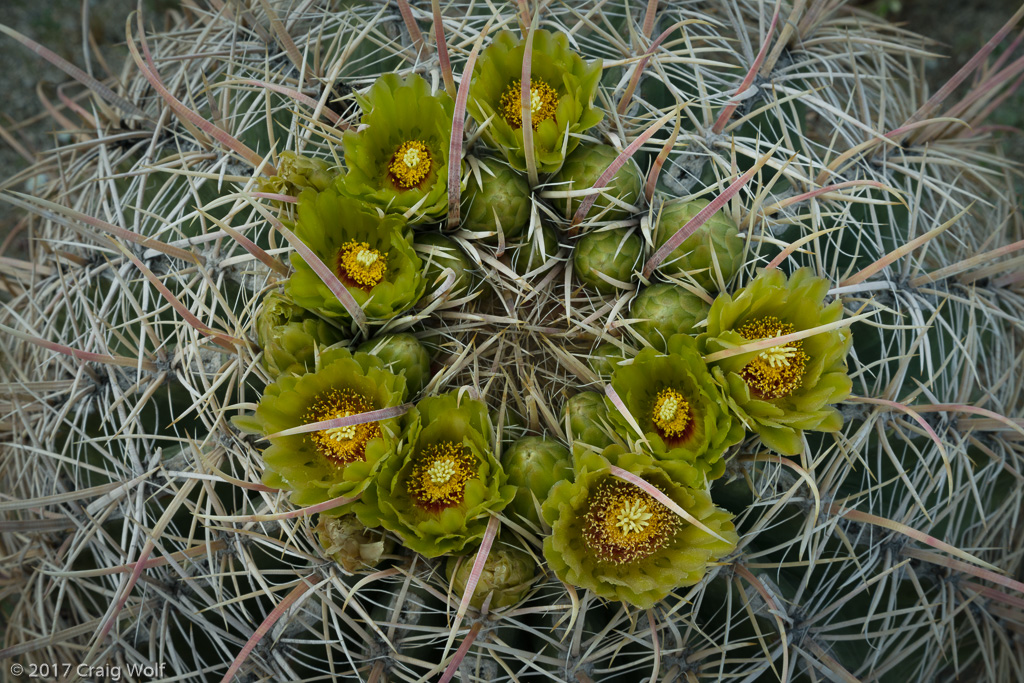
[(372, 256), (674, 400), (401, 157), (612, 537), (562, 90), (781, 391), (439, 489), (321, 465)]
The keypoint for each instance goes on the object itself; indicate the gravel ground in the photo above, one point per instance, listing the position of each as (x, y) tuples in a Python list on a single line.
[(958, 27)]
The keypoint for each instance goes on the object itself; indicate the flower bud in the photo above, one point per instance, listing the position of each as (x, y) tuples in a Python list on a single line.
[(534, 464), (612, 253), (665, 309), (403, 354), (718, 236), (582, 169)]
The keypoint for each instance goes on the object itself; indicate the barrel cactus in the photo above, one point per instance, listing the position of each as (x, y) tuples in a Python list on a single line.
[(798, 459)]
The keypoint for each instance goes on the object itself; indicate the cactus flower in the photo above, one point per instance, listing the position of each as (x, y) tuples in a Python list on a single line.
[(684, 418), (441, 486), (783, 390), (400, 158), (612, 537), (562, 90), (321, 465), (372, 256), (296, 172)]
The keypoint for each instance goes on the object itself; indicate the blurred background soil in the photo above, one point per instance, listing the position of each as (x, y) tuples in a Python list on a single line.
[(959, 29)]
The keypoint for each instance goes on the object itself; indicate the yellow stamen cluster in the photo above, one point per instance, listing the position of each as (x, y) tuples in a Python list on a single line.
[(410, 164), (775, 372), (439, 477), (671, 413), (543, 103), (625, 524), (342, 445), (362, 266)]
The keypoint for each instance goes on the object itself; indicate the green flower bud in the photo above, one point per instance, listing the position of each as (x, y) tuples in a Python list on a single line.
[(680, 410), (612, 537), (781, 391), (402, 354), (290, 336), (613, 253), (718, 236), (665, 309), (582, 169), (605, 358), (372, 256), (502, 198), (587, 420), (440, 488), (295, 173), (439, 252), (562, 90), (536, 252), (506, 576), (346, 541), (400, 158), (329, 463), (534, 464)]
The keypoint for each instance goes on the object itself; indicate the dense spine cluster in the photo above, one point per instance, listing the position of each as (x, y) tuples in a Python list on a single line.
[(712, 369)]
